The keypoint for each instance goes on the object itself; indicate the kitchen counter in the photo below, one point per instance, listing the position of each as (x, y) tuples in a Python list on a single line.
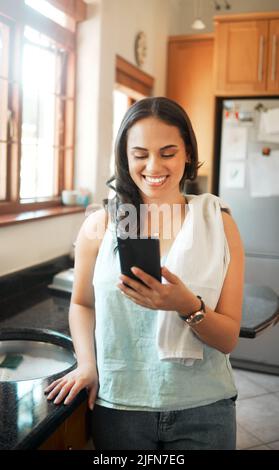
[(27, 418), (260, 310)]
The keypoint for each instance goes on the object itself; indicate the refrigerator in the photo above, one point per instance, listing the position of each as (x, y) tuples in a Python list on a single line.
[(249, 183)]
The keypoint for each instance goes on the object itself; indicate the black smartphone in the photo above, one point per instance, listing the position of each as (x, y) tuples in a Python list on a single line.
[(141, 252)]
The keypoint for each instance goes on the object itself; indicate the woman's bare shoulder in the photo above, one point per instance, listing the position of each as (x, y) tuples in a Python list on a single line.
[(93, 229), (232, 233)]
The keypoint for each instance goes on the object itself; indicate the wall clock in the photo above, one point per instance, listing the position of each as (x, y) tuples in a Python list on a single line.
[(140, 48)]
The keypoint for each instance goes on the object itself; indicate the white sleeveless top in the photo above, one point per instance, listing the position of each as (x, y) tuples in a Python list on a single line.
[(132, 342)]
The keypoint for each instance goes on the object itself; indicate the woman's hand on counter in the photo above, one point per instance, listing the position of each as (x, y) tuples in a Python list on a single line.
[(68, 386)]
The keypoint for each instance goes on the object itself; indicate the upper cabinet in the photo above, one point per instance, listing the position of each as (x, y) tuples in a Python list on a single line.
[(190, 83), (246, 58)]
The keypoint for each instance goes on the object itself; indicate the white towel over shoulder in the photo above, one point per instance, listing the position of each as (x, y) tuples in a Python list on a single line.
[(199, 256)]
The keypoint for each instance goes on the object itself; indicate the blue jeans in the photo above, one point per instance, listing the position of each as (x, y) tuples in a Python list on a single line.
[(203, 428)]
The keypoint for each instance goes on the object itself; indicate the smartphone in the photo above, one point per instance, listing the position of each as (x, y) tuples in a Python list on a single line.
[(141, 252)]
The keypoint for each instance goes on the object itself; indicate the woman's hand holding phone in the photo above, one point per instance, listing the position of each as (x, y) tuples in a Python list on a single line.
[(150, 293)]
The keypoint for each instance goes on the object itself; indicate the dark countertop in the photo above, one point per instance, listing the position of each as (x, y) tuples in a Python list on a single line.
[(27, 418), (260, 310)]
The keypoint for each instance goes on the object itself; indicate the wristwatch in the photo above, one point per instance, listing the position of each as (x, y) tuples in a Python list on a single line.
[(195, 317)]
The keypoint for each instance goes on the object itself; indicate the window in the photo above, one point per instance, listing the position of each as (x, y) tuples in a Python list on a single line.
[(37, 102), (4, 105), (43, 110), (50, 11)]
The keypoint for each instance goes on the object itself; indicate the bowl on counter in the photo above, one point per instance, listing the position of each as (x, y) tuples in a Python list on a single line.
[(75, 197), (70, 197), (29, 354)]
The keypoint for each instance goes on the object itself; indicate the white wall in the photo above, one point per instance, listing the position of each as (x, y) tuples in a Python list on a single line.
[(27, 244), (87, 95), (184, 11)]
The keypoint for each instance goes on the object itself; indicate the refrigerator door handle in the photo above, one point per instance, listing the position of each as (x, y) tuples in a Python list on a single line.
[(274, 50), (261, 50)]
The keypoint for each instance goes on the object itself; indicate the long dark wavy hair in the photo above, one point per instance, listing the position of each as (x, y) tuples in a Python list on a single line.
[(126, 190)]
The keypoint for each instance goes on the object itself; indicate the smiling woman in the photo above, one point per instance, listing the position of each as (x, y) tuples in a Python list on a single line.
[(155, 165), (152, 353), (155, 140)]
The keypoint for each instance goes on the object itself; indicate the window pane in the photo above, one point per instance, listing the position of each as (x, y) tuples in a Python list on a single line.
[(37, 176), (69, 142), (41, 61), (51, 12), (3, 170), (4, 112), (61, 72), (3, 109), (60, 119), (4, 49)]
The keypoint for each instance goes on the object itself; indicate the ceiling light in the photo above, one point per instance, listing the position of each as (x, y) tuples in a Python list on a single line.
[(198, 24)]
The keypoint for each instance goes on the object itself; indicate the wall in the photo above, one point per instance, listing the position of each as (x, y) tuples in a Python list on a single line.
[(31, 243), (183, 12)]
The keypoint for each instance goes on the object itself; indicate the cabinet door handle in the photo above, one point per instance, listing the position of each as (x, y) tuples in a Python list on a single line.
[(260, 68), (274, 51)]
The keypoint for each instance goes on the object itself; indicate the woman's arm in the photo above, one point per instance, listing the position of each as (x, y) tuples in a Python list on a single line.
[(81, 312), (82, 315)]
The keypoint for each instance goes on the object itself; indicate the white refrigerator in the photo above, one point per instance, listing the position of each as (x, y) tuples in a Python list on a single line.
[(249, 183)]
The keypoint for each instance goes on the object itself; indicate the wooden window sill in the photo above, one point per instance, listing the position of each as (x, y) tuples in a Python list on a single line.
[(31, 216)]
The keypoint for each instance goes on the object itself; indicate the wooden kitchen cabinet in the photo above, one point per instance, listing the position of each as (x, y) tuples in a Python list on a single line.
[(190, 83), (246, 54), (72, 434)]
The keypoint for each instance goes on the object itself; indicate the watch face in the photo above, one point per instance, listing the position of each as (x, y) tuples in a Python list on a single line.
[(197, 318)]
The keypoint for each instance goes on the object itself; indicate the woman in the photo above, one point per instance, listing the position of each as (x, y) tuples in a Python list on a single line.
[(143, 398)]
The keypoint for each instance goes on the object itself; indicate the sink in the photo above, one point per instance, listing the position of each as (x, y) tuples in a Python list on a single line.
[(28, 354), (63, 281)]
